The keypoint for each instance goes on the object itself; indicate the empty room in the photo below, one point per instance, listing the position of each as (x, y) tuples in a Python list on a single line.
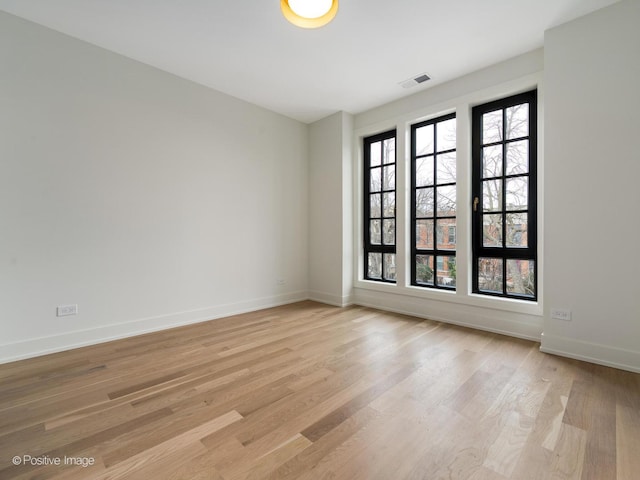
[(319, 239)]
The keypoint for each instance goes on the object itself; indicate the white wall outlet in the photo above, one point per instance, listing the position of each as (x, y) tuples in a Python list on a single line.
[(561, 314), (280, 281), (66, 310)]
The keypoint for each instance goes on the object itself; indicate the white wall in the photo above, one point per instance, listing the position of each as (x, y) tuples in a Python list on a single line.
[(330, 211), (147, 200), (592, 223)]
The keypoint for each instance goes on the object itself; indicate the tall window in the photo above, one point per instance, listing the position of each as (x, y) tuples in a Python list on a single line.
[(504, 197), (433, 203), (380, 207)]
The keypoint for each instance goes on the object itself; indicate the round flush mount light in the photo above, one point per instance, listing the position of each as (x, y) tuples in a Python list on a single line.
[(309, 13)]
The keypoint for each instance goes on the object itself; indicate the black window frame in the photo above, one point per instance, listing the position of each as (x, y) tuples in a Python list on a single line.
[(504, 252), (435, 252), (382, 248)]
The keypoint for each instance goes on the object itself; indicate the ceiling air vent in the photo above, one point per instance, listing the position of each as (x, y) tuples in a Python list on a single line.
[(412, 82)]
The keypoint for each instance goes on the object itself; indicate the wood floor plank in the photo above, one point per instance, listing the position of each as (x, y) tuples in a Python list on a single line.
[(125, 468), (267, 462), (600, 451), (343, 453), (568, 459), (455, 447), (390, 455), (627, 442), (551, 438), (504, 453), (308, 391), (307, 460), (330, 421)]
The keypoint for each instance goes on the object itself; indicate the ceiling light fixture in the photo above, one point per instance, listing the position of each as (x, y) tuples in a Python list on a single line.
[(309, 13)]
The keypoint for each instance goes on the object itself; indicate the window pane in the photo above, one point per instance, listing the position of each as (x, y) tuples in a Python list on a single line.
[(424, 269), (389, 151), (492, 195), (446, 168), (434, 179), (424, 234), (424, 202), (389, 232), (453, 235), (424, 172), (375, 181), (446, 234), (375, 154), (379, 215), (517, 230), (374, 204), (518, 157), (492, 161), (375, 265), (517, 193), (446, 273), (518, 121), (375, 231), (490, 275), (504, 180), (389, 180), (492, 230), (388, 204), (446, 132), (424, 140), (389, 266), (521, 277), (492, 127), (446, 200)]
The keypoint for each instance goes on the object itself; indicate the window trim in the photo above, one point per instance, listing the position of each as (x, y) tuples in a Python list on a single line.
[(455, 303)]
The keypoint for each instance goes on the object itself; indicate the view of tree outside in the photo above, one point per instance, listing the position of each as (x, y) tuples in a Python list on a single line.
[(504, 207), (504, 193), (381, 214), (434, 180)]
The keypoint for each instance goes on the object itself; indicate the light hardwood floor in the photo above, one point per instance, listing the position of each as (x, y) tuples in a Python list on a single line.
[(306, 392)]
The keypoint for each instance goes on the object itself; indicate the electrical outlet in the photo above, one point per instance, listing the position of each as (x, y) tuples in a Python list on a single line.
[(280, 281), (66, 310), (561, 314)]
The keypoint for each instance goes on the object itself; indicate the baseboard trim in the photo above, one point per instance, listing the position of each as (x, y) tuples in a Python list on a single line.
[(330, 298), (37, 347), (495, 321), (557, 345), (591, 352)]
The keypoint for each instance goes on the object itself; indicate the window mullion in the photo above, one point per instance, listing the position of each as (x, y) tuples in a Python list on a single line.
[(402, 208)]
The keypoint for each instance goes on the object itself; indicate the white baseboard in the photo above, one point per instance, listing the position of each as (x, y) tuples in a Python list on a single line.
[(512, 324), (330, 299), (494, 321), (36, 347), (591, 352)]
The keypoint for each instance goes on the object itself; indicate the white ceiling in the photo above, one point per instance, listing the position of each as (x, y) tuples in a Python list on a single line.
[(246, 48)]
